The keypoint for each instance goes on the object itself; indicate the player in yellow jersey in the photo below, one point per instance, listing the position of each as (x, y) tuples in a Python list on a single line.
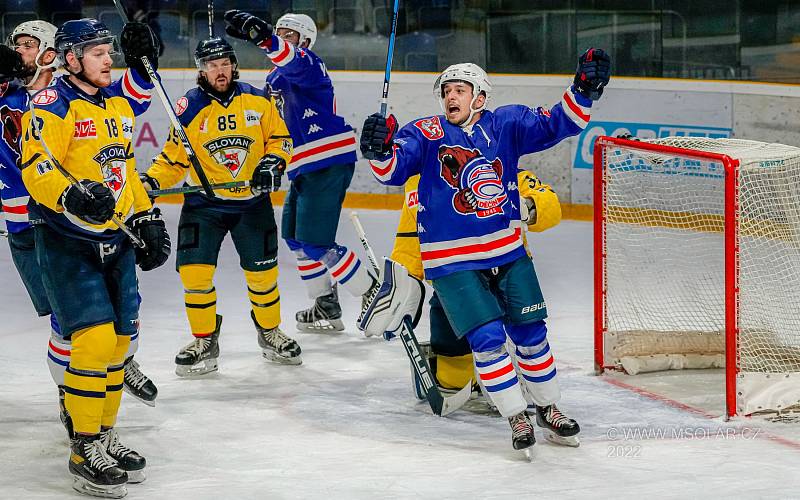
[(238, 135), (82, 127)]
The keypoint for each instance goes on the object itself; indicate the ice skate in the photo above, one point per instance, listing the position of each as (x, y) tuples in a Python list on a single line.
[(276, 346), (522, 437), (557, 427), (324, 316), (127, 459), (200, 355), (94, 472), (63, 414), (139, 385)]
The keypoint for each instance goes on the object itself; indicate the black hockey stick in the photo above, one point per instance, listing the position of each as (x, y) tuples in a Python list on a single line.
[(173, 118), (197, 189), (37, 133), (440, 405)]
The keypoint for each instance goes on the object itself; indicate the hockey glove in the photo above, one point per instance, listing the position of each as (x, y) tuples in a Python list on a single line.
[(150, 227), (11, 65), (149, 184), (593, 73), (95, 205), (267, 175), (377, 136), (246, 26), (137, 40)]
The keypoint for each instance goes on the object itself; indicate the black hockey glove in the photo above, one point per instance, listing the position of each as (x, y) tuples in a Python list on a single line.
[(593, 73), (246, 26), (150, 227), (377, 135), (138, 40), (96, 205), (267, 175), (149, 184), (11, 65)]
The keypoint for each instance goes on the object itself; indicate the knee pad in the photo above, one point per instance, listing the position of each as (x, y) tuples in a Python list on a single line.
[(197, 278), (400, 295), (529, 334), (487, 337), (93, 348)]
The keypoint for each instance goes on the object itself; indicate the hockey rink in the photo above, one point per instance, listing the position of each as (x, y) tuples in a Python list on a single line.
[(345, 423)]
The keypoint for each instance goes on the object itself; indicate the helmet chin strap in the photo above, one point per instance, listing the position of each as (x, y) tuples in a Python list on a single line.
[(466, 123)]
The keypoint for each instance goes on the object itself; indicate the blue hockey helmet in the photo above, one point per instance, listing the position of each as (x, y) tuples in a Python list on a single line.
[(78, 34), (211, 49)]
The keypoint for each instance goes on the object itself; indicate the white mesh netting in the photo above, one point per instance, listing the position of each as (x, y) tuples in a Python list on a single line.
[(665, 256)]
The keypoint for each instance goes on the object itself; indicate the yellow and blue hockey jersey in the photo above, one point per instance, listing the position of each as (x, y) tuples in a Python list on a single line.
[(229, 139), (90, 136)]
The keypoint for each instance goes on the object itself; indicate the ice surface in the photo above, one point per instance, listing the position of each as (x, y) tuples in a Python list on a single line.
[(345, 424)]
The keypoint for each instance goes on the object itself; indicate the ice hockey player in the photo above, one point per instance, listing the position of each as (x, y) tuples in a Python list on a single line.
[(82, 125), (469, 222), (321, 169), (449, 356), (27, 68), (243, 138)]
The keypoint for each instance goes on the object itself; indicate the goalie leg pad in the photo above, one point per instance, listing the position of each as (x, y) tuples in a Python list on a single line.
[(535, 361), (495, 369), (400, 295)]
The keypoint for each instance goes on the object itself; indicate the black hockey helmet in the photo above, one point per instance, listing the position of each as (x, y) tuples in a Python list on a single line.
[(77, 34), (211, 49)]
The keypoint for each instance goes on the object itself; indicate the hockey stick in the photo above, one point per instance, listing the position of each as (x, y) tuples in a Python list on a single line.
[(197, 189), (72, 180), (440, 405), (173, 118), (389, 57), (210, 18)]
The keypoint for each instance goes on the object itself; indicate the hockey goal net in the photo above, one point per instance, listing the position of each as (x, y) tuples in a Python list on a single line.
[(697, 263)]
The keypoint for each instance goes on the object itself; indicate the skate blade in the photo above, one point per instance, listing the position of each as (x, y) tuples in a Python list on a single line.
[(82, 485), (281, 360), (529, 453), (571, 441), (321, 326), (136, 476), (198, 369), (151, 404)]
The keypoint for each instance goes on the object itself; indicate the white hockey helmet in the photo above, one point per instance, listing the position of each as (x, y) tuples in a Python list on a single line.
[(42, 31), (300, 23), (464, 72)]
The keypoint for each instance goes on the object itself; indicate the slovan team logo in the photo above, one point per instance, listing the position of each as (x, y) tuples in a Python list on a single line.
[(478, 183), (230, 151), (113, 164)]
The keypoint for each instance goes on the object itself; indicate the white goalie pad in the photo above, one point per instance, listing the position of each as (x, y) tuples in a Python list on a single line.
[(400, 295)]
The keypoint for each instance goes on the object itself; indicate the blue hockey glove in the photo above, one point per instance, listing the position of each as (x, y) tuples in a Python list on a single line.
[(593, 73)]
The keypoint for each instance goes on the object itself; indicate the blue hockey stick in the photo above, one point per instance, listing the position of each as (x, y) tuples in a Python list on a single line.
[(389, 57)]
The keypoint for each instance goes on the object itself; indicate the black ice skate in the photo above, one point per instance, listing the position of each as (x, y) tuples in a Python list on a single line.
[(276, 346), (94, 472), (557, 427), (63, 414), (127, 459), (200, 355), (522, 437), (324, 316), (367, 298), (139, 385)]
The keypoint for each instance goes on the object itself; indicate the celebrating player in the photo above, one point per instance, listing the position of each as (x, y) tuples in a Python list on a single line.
[(30, 66), (82, 126), (243, 138), (469, 223), (321, 169)]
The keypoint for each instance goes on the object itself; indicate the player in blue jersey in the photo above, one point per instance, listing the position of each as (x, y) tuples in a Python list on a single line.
[(321, 168), (82, 125), (28, 66), (470, 228)]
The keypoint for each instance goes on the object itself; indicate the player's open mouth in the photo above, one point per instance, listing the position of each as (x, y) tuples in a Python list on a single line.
[(453, 109)]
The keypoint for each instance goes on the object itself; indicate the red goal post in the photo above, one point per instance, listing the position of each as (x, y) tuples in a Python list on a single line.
[(697, 263)]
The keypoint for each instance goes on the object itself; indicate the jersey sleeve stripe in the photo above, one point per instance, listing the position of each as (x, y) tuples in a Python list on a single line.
[(133, 90), (283, 53), (321, 149), (383, 170), (577, 113)]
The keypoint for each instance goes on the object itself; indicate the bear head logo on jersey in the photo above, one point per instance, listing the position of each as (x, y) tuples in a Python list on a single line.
[(230, 151), (113, 163), (478, 183), (11, 121)]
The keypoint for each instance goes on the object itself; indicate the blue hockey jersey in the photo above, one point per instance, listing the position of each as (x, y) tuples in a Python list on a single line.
[(304, 95), (14, 196), (468, 216)]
